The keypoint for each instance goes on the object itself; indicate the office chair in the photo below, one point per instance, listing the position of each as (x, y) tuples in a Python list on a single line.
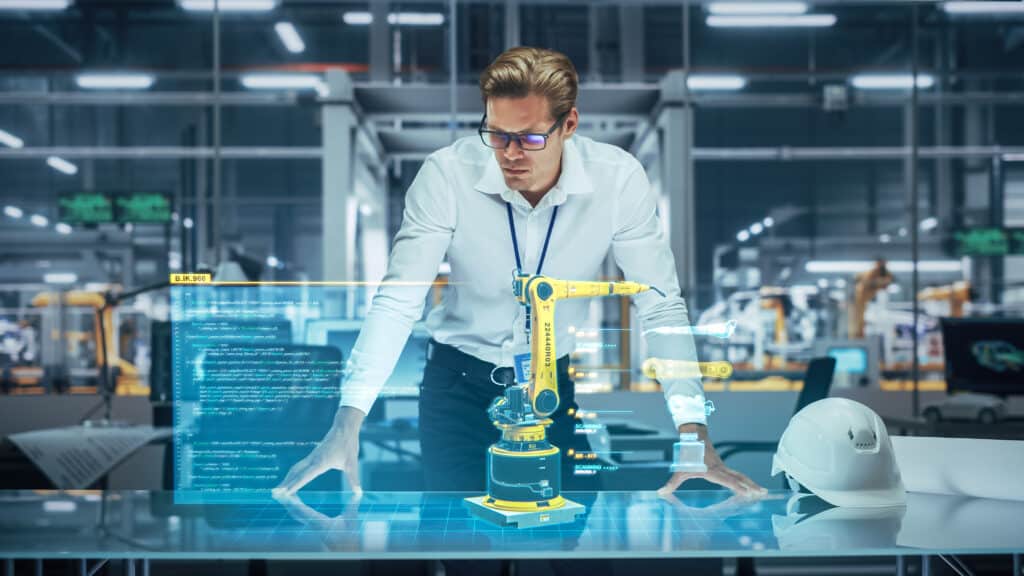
[(817, 382)]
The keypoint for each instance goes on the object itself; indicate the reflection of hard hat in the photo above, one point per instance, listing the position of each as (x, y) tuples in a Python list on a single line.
[(809, 526), (839, 449)]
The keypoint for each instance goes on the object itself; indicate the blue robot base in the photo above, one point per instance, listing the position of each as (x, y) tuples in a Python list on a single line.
[(564, 514)]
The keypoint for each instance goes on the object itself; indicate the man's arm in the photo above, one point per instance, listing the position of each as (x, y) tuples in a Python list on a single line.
[(642, 252), (427, 226)]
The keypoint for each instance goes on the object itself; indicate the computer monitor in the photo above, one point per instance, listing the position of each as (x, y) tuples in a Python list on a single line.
[(408, 373), (850, 359), (984, 355), (857, 360)]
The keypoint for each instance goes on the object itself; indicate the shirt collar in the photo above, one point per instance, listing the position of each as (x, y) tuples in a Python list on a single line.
[(573, 179)]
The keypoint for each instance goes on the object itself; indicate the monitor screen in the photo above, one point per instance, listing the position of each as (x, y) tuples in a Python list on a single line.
[(850, 360), (984, 354)]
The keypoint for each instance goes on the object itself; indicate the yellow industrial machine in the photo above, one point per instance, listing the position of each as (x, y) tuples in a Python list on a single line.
[(127, 379), (868, 284), (955, 295), (523, 467)]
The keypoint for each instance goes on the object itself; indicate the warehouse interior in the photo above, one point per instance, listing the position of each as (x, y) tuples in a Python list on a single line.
[(838, 179)]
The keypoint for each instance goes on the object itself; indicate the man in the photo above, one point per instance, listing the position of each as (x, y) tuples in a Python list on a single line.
[(524, 194)]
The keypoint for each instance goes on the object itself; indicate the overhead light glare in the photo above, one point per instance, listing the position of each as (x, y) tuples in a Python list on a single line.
[(282, 81), (891, 81), (715, 82), (228, 5), (290, 37), (363, 18), (60, 277), (983, 7), (61, 165), (855, 266), (10, 140), (772, 21), (35, 5), (114, 81)]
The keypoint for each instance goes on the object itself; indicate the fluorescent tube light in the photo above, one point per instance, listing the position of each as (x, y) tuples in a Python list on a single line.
[(113, 81), (854, 266), (62, 228), (290, 37), (36, 5), (39, 220), (416, 18), (772, 21), (228, 5), (13, 211), (282, 81), (10, 140), (743, 235), (757, 7), (60, 277), (891, 81), (983, 7), (715, 82), (362, 18), (61, 165)]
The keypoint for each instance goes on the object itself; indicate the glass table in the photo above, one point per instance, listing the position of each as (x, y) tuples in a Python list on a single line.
[(413, 525)]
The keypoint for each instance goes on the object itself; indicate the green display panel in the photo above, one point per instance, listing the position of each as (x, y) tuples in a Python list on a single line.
[(982, 242), (142, 207), (85, 208), (989, 241)]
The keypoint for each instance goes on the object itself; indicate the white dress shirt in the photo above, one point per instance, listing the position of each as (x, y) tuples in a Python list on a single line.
[(456, 206)]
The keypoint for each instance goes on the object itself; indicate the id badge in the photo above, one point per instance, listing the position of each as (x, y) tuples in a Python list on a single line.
[(521, 363)]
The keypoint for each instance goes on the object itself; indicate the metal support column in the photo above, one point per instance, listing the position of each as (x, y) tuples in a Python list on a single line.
[(997, 219), (511, 24), (631, 43), (215, 212), (675, 132), (915, 218), (380, 42), (339, 132)]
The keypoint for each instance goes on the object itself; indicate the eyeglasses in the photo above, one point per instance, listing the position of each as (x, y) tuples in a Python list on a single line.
[(526, 140)]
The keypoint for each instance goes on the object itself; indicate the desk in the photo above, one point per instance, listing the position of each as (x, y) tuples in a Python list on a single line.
[(412, 525)]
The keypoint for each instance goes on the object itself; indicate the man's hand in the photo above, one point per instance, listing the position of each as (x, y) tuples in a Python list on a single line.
[(339, 450), (717, 472)]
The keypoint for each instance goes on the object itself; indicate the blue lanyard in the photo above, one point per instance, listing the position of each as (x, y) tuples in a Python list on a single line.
[(515, 241)]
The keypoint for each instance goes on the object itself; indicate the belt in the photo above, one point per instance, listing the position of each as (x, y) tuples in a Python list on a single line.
[(476, 369)]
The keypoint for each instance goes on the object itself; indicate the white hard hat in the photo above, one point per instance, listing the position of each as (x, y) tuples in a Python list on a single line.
[(839, 450)]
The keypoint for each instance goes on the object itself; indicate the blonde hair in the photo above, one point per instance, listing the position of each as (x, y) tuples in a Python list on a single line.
[(519, 72)]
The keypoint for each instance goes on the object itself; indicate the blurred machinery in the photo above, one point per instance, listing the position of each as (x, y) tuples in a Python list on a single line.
[(79, 335)]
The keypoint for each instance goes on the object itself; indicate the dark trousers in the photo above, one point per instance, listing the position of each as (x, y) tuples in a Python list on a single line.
[(455, 433)]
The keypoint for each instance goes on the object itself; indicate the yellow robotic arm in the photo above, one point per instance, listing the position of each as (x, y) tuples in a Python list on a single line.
[(540, 294)]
